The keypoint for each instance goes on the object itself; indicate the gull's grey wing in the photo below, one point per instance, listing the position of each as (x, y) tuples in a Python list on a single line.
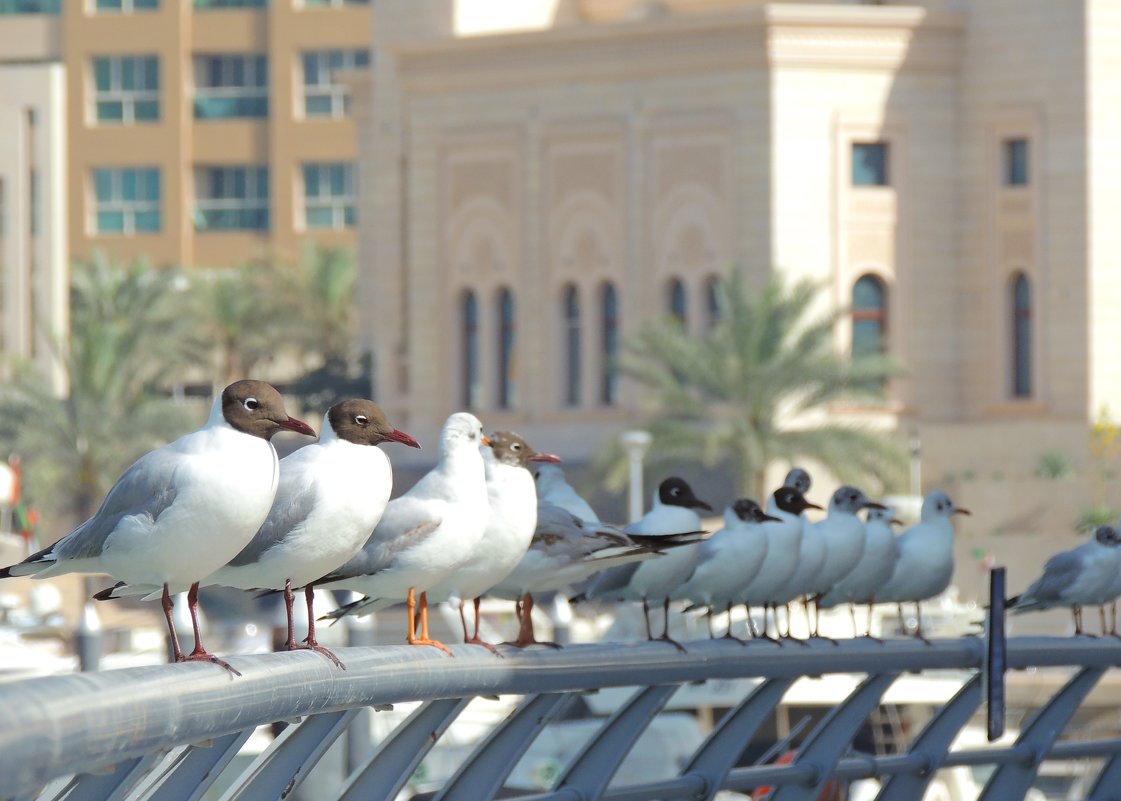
[(377, 554), (1060, 572), (612, 579), (561, 533), (146, 488), (293, 505)]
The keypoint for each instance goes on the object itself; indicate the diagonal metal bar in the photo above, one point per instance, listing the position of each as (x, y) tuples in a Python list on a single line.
[(829, 739), (484, 772), (1109, 779), (112, 785), (718, 753), (289, 758), (1012, 780), (933, 742), (190, 770), (591, 771), (397, 757)]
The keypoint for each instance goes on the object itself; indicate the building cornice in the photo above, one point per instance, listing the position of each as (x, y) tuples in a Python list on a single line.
[(870, 37)]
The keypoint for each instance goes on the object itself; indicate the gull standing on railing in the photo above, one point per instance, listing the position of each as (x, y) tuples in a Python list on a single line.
[(183, 510)]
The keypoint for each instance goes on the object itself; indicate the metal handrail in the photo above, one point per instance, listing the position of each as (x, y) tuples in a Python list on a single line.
[(61, 725)]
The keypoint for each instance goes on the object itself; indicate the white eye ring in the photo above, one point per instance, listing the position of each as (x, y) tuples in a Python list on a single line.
[(361, 419), (251, 404)]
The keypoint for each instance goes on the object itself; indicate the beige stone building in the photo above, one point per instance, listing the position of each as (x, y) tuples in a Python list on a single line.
[(201, 132), (950, 169)]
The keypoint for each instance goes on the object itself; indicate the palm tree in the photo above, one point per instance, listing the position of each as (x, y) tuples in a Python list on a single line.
[(129, 337), (245, 317), (756, 389)]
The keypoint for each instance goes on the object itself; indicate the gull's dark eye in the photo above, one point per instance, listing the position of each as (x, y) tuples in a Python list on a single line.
[(251, 404), (515, 447), (361, 419)]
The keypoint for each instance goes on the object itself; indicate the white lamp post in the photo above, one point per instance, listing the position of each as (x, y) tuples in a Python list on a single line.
[(635, 443)]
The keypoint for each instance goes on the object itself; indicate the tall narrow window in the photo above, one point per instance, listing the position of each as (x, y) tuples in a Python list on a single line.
[(712, 302), (609, 377), (869, 164), (869, 316), (469, 326), (572, 388), (507, 382), (676, 299), (1021, 337), (1015, 159)]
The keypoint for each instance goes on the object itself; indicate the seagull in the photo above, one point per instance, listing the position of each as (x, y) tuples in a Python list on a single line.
[(1111, 593), (872, 571), (673, 512), (332, 493), (924, 561), (811, 553), (728, 559), (183, 510), (509, 531), (567, 550), (1079, 577), (784, 542), (427, 534), (552, 487), (844, 536)]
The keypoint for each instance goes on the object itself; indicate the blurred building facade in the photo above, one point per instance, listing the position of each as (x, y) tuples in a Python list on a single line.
[(946, 168), (201, 132)]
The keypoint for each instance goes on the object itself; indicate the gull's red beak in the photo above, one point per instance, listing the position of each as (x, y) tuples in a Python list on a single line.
[(403, 438), (959, 511), (545, 457), (299, 426)]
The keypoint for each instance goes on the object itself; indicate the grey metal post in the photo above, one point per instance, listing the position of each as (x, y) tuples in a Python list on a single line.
[(635, 443), (996, 660), (87, 639)]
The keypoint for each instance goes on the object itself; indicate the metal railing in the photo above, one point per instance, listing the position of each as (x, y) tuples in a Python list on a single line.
[(167, 732)]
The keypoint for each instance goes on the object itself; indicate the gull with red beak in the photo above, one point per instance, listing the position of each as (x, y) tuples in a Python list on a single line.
[(183, 510), (332, 494)]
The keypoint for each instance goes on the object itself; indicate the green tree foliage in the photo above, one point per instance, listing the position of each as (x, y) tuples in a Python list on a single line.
[(756, 389), (129, 335)]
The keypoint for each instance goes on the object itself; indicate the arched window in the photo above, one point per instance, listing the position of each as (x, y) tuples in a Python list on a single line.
[(676, 299), (469, 358), (869, 316), (1021, 336), (572, 388), (712, 301), (507, 383), (609, 377)]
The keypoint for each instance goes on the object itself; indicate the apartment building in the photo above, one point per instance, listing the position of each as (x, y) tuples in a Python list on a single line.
[(202, 132)]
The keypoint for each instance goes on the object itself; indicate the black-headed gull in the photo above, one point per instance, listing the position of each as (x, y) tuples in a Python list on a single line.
[(566, 551), (673, 512), (728, 560), (784, 543), (872, 571), (183, 510), (553, 487), (427, 534), (924, 561), (332, 494), (1079, 577)]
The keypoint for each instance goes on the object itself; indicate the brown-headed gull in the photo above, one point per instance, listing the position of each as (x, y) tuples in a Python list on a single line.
[(183, 510)]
